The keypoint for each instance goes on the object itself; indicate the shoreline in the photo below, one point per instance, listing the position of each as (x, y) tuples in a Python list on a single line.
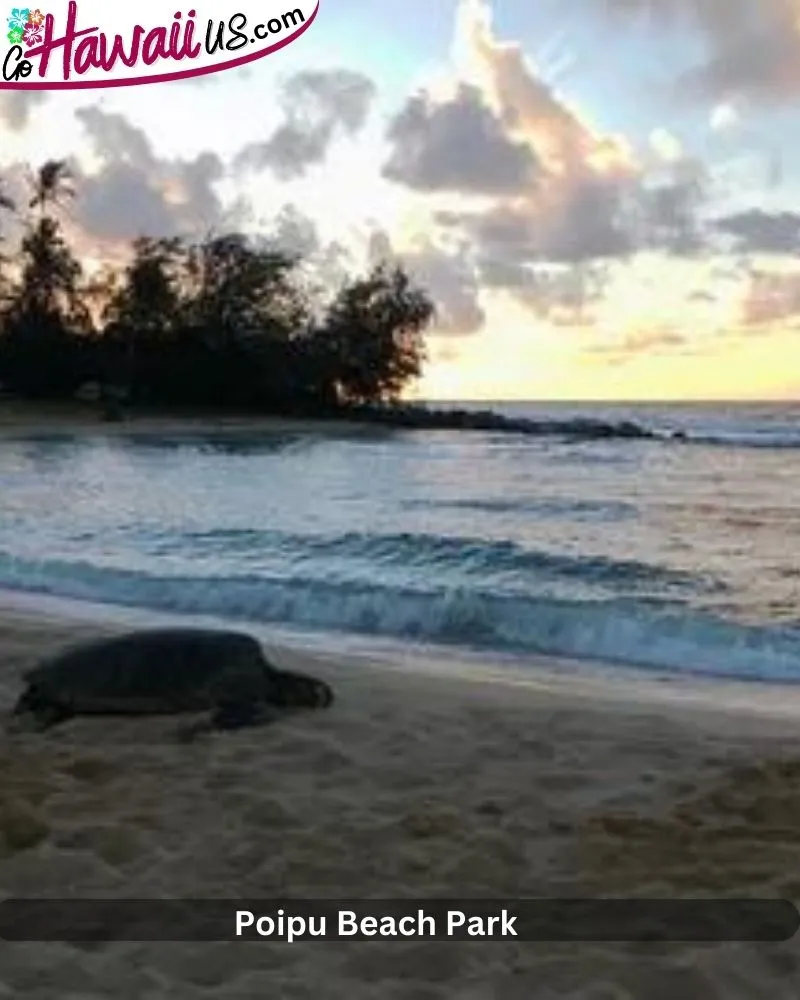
[(595, 682), (45, 419), (76, 417)]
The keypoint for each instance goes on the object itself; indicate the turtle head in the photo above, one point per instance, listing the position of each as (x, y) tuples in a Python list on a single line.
[(292, 690)]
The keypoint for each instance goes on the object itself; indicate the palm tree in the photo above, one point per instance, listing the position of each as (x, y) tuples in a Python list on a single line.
[(50, 269), (45, 307), (51, 184)]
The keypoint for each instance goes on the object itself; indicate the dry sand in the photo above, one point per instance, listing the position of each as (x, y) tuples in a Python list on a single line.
[(412, 784)]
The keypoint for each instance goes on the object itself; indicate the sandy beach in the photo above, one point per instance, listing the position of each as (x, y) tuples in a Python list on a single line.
[(45, 418), (413, 784)]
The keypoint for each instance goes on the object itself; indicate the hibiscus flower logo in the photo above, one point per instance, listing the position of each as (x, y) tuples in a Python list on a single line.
[(18, 19), (25, 25), (32, 34)]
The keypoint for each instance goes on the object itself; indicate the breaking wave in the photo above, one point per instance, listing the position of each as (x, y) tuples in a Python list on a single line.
[(621, 630)]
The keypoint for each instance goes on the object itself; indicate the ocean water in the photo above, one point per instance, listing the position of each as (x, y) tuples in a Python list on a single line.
[(673, 556)]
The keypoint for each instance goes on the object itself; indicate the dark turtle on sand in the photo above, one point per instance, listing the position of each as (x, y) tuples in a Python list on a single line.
[(168, 671)]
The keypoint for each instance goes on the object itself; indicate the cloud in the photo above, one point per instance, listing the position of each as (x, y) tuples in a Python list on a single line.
[(772, 297), (318, 107), (751, 48), (295, 232), (451, 278), (14, 186), (507, 249), (561, 187), (764, 65), (775, 171), (658, 340), (564, 296), (457, 145), (723, 117), (325, 265), (702, 296), (17, 106), (757, 231), (558, 217), (669, 210), (760, 57), (135, 193), (591, 201), (448, 275), (718, 18), (565, 144), (590, 225), (596, 223), (666, 145)]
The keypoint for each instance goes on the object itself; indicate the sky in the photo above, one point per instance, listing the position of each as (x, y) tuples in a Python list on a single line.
[(602, 196)]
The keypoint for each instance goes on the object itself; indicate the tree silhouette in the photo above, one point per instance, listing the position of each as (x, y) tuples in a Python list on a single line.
[(52, 184), (241, 292), (242, 312), (223, 322), (144, 312), (44, 309), (372, 338)]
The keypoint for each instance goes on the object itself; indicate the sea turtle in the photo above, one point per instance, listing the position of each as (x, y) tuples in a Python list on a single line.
[(167, 671)]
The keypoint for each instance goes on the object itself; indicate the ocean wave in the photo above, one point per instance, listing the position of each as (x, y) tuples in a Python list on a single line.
[(777, 439), (554, 508), (590, 434), (622, 631), (469, 557)]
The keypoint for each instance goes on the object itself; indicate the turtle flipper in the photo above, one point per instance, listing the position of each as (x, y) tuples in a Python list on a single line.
[(48, 716), (189, 732), (228, 716), (242, 714), (38, 711), (239, 701), (292, 690)]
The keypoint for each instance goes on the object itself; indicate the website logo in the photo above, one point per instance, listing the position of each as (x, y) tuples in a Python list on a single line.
[(97, 44)]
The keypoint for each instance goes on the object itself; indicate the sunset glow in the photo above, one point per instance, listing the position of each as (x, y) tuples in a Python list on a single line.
[(602, 203)]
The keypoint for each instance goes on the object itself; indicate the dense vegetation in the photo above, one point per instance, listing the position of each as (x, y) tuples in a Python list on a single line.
[(222, 323)]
